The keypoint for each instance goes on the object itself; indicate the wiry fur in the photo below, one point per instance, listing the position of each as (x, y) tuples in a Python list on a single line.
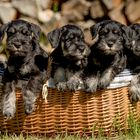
[(132, 50), (27, 62), (106, 59), (69, 56)]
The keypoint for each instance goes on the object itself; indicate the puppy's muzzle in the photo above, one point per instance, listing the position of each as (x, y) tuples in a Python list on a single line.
[(82, 48), (17, 45), (110, 43)]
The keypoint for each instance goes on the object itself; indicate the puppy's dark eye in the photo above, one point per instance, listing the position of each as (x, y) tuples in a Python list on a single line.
[(104, 31), (25, 32), (115, 31), (11, 31)]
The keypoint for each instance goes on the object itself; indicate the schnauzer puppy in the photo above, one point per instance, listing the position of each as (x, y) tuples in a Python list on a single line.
[(69, 56), (132, 50), (106, 58), (27, 63)]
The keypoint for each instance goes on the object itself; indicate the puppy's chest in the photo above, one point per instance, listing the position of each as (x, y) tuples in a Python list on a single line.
[(101, 63), (25, 69), (20, 71)]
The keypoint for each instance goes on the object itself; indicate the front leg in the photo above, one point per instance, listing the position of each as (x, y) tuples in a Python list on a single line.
[(9, 100), (74, 80), (134, 88), (61, 86), (105, 79), (31, 92), (109, 74), (60, 79), (91, 83)]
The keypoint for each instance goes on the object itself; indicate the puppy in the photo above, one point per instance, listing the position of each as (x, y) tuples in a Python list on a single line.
[(69, 56), (132, 50), (27, 63), (106, 58)]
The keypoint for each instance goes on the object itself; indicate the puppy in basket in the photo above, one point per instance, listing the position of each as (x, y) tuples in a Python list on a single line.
[(27, 64), (69, 57), (132, 50), (106, 59)]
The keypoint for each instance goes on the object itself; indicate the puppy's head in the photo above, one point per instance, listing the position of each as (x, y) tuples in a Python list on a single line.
[(108, 36), (132, 39), (70, 40), (20, 36)]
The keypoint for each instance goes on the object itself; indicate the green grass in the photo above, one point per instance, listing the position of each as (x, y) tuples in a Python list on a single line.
[(21, 137), (132, 134)]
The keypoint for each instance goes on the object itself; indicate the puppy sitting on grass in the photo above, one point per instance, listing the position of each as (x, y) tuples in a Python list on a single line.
[(69, 57), (106, 59), (27, 63)]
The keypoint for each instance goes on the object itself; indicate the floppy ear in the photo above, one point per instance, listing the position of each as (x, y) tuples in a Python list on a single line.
[(94, 30), (127, 33), (36, 31), (3, 29), (54, 37)]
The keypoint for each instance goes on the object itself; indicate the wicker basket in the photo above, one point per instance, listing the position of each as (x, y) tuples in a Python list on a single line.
[(79, 112)]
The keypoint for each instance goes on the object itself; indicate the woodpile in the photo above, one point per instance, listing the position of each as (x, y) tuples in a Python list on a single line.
[(82, 12), (124, 11), (49, 14)]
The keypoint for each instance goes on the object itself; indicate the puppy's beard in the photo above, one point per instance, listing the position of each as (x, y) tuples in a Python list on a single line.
[(82, 63), (105, 49), (16, 52), (19, 53)]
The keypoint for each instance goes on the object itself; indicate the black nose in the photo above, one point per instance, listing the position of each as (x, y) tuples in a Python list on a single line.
[(17, 44), (110, 43), (81, 48)]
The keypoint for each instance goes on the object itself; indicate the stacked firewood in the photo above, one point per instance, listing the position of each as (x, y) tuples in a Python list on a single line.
[(49, 14)]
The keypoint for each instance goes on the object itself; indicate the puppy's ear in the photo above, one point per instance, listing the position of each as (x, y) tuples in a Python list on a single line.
[(35, 30), (127, 33), (94, 30), (54, 37), (3, 29)]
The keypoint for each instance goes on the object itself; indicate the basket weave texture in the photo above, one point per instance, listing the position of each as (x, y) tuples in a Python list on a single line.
[(79, 112)]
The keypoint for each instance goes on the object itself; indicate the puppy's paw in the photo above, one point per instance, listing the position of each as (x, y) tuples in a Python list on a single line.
[(134, 89), (103, 83), (105, 79), (134, 94), (9, 113), (9, 105), (29, 98), (91, 88), (91, 84), (29, 108), (73, 85), (61, 86)]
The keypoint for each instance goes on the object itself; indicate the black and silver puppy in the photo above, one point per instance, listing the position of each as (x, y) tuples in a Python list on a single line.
[(106, 58), (132, 50), (69, 56), (27, 62)]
